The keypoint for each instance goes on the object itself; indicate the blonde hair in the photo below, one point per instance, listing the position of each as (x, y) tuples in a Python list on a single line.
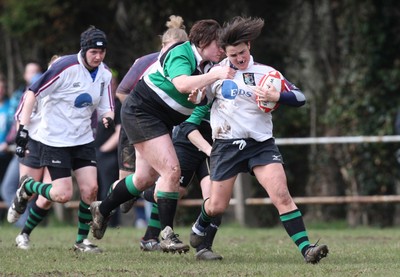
[(52, 60), (176, 31)]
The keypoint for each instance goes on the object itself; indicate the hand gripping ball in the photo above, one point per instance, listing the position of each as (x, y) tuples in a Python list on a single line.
[(276, 79)]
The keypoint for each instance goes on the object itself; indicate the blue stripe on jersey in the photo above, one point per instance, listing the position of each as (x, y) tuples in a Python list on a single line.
[(56, 68)]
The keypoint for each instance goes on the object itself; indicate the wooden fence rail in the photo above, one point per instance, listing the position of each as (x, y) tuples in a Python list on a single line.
[(307, 200), (240, 202)]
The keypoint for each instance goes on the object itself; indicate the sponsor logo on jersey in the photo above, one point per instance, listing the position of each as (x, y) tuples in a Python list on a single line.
[(76, 85), (83, 100), (230, 90)]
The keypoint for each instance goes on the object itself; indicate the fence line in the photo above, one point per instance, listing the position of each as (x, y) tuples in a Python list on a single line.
[(333, 140), (366, 199), (308, 200)]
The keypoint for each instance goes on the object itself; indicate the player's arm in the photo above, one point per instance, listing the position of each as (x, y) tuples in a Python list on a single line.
[(27, 107), (198, 140), (187, 84), (24, 115), (293, 96), (190, 129), (106, 108), (112, 143)]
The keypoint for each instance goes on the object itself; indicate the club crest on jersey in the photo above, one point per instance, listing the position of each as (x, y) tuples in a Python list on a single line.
[(248, 79), (83, 100)]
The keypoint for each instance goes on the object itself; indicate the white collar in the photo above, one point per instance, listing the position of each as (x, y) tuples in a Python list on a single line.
[(199, 59)]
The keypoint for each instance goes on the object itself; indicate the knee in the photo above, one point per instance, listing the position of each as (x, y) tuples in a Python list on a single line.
[(61, 193), (43, 203), (143, 182), (175, 174), (172, 177), (62, 197), (283, 200), (89, 194), (214, 209)]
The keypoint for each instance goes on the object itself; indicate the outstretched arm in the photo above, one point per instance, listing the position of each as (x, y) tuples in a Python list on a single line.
[(27, 107)]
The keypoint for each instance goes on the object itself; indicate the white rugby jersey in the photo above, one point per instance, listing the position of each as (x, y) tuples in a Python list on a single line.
[(71, 95), (235, 114), (34, 123)]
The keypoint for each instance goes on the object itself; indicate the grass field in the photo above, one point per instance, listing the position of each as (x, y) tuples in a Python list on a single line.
[(247, 252)]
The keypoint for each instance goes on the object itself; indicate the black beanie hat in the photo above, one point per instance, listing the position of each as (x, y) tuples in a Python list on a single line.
[(93, 38)]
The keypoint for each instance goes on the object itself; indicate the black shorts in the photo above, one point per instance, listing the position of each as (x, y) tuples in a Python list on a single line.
[(126, 153), (231, 156), (32, 159), (191, 160), (64, 157), (145, 116)]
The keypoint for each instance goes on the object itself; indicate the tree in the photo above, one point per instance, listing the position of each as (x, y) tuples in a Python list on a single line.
[(348, 50), (343, 54)]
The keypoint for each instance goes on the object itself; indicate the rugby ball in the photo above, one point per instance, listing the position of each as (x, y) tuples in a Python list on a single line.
[(276, 79)]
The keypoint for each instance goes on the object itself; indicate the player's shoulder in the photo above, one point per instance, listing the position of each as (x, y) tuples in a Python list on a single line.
[(62, 64), (65, 62), (264, 67), (152, 57)]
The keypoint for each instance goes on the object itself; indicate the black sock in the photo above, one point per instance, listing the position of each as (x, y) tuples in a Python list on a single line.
[(167, 202), (202, 221), (119, 195), (148, 194), (211, 231)]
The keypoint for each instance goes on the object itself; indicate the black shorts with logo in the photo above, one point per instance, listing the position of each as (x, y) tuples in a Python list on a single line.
[(145, 115), (229, 157), (64, 157)]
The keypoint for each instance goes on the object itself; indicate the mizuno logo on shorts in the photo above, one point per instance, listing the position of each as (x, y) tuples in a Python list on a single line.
[(276, 157), (55, 162)]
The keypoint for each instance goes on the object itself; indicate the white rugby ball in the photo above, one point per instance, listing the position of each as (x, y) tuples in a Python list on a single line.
[(276, 79)]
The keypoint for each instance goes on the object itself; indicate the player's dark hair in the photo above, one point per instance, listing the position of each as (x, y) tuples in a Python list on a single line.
[(240, 29), (203, 32)]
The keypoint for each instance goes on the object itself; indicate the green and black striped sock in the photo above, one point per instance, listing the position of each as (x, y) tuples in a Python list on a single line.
[(36, 215), (294, 225), (39, 188), (84, 217), (154, 227)]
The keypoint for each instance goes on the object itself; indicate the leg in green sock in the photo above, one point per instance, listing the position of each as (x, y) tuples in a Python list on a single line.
[(40, 188), (294, 225), (36, 215), (84, 217)]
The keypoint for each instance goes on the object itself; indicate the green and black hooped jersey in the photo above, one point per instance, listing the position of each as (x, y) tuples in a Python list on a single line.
[(178, 60)]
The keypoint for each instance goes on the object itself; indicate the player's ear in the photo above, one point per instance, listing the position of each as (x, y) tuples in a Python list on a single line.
[(248, 45)]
